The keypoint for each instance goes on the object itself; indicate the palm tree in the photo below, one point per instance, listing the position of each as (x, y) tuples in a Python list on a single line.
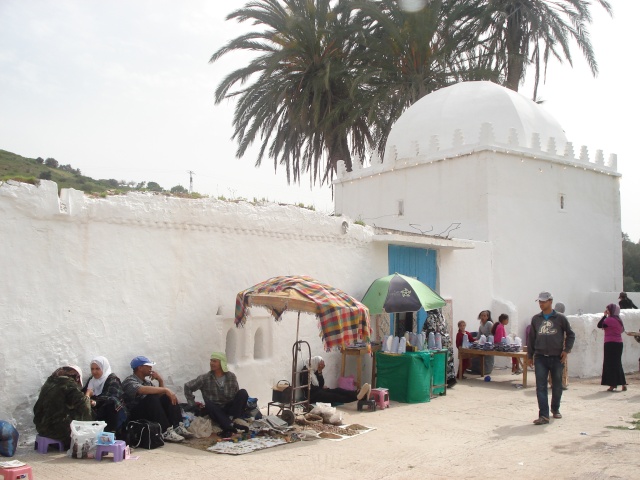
[(517, 32), (298, 97), (407, 55)]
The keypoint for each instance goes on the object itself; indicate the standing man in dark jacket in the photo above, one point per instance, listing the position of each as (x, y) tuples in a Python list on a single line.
[(550, 340)]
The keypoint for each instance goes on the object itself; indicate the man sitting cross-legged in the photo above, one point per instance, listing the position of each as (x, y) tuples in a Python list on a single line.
[(222, 396)]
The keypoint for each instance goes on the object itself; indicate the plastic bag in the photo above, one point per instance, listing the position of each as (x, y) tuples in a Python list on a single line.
[(8, 439), (335, 419), (202, 427), (325, 410), (83, 438), (347, 383)]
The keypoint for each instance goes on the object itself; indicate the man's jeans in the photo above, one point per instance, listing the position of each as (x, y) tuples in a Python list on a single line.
[(220, 413), (544, 366)]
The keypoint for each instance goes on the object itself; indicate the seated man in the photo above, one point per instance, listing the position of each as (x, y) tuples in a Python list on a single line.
[(157, 404), (222, 396)]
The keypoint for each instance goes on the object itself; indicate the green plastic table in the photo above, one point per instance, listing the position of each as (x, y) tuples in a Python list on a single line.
[(410, 376)]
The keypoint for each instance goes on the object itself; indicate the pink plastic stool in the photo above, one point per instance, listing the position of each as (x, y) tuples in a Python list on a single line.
[(381, 396), (16, 473), (42, 444), (117, 449)]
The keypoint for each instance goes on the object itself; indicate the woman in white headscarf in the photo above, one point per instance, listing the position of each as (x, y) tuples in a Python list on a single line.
[(312, 374), (106, 394)]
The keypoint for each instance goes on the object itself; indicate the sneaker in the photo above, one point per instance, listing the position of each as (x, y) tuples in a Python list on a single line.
[(182, 431), (364, 392), (241, 424), (171, 436)]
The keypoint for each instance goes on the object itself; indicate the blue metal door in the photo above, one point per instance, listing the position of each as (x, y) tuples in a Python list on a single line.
[(419, 263)]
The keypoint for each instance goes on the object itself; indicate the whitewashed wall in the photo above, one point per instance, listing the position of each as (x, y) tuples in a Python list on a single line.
[(157, 276), (587, 355)]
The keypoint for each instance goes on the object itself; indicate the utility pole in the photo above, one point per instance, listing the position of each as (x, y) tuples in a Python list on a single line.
[(191, 174)]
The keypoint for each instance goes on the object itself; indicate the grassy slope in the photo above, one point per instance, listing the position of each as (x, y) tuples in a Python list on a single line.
[(14, 166)]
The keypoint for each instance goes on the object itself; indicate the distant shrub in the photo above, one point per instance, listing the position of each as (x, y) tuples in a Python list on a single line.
[(178, 189), (154, 187)]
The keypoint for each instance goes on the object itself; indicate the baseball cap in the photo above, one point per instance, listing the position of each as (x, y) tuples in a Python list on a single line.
[(544, 296), (140, 361)]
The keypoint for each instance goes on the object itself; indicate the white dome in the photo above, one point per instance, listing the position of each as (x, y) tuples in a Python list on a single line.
[(466, 106)]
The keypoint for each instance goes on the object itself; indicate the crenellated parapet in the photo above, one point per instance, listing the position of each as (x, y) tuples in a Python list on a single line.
[(430, 150)]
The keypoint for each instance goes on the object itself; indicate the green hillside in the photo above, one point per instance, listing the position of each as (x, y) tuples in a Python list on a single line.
[(31, 170)]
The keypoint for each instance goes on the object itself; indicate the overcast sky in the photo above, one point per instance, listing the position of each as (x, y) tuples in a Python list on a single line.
[(123, 89)]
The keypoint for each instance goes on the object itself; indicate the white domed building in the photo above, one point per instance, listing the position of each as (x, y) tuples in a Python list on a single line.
[(483, 184)]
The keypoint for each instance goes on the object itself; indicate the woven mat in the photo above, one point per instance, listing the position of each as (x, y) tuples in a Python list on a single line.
[(216, 445), (338, 433), (246, 446)]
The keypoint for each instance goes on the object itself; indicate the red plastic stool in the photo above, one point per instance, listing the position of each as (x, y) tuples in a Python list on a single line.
[(381, 396), (117, 449), (16, 473), (42, 444)]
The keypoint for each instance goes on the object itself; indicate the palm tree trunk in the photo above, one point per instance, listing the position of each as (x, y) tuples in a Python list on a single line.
[(514, 48), (339, 150)]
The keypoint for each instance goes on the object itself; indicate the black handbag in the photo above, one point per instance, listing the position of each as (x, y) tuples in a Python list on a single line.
[(144, 434), (281, 392)]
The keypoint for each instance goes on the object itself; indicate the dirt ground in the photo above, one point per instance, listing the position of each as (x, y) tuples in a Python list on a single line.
[(479, 429)]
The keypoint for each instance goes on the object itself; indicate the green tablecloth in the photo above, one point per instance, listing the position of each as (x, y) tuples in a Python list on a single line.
[(407, 376)]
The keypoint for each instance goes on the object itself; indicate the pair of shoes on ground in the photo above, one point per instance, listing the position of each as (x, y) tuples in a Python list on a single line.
[(172, 436), (541, 421), (613, 389), (364, 392)]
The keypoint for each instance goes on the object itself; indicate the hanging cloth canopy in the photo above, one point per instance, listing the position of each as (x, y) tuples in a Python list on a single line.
[(342, 319)]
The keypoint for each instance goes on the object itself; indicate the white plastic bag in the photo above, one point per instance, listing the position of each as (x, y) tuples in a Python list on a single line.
[(325, 410), (202, 427), (83, 438)]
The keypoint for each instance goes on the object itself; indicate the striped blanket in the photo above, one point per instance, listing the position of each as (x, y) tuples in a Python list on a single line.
[(342, 320)]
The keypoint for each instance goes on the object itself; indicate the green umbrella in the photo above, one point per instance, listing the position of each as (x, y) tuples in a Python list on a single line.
[(397, 293)]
